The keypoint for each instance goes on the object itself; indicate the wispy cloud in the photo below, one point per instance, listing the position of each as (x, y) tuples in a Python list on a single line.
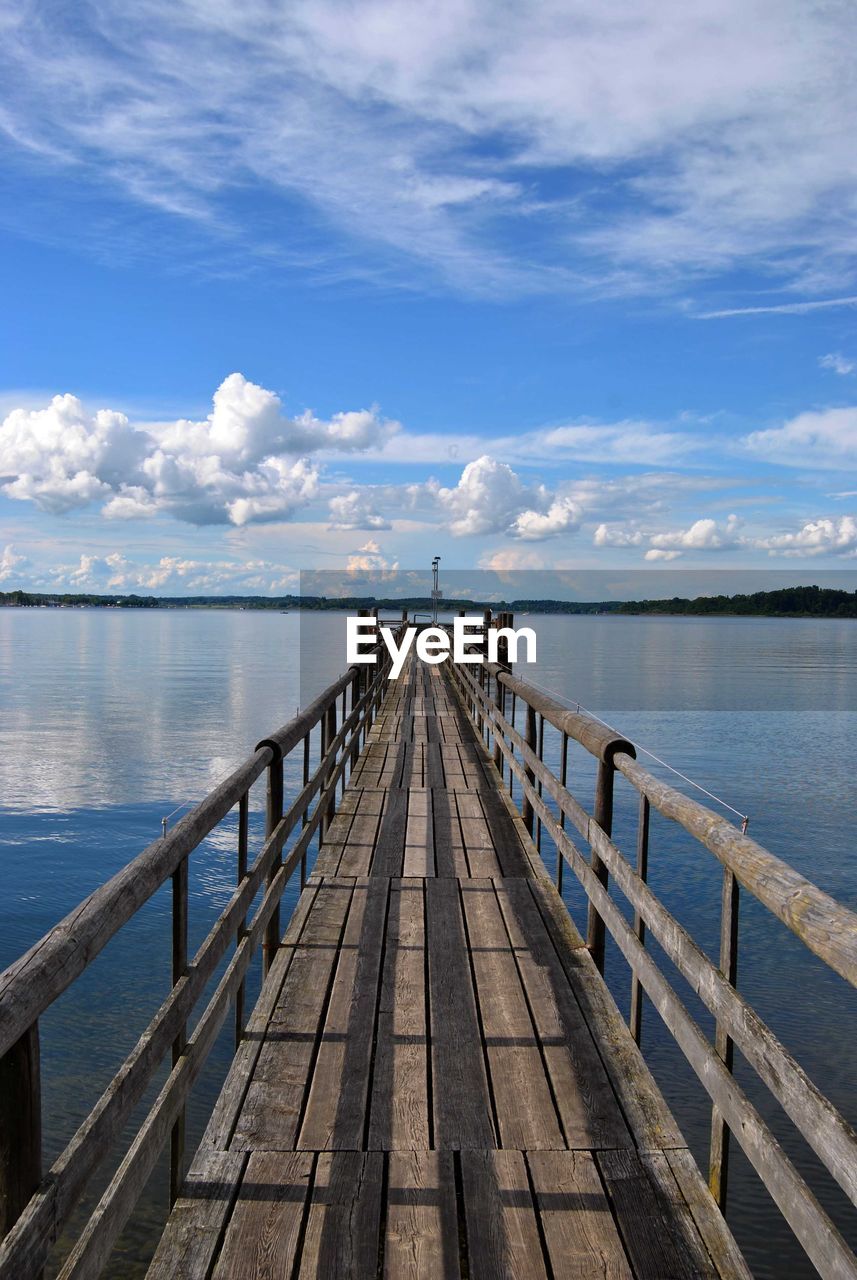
[(837, 363), (780, 309), (695, 137), (824, 439)]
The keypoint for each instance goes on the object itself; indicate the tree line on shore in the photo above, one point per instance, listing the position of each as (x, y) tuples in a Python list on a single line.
[(791, 602)]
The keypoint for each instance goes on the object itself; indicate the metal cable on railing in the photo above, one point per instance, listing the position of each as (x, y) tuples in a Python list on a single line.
[(196, 799), (579, 707)]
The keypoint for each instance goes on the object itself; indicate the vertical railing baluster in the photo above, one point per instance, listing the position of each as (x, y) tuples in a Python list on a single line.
[(511, 744), (20, 1127), (329, 735), (635, 1020), (603, 816), (563, 777), (273, 815), (355, 732), (243, 843), (539, 783), (500, 699), (718, 1165), (179, 967), (305, 814), (531, 740)]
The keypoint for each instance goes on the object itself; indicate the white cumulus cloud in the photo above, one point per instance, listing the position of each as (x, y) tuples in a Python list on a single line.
[(615, 535), (835, 536), (702, 535), (491, 498), (487, 499), (246, 461), (355, 510), (562, 516), (10, 563)]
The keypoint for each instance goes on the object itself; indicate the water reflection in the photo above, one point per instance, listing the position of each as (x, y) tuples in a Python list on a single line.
[(110, 719)]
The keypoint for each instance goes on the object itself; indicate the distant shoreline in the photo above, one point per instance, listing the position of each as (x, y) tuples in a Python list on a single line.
[(789, 602)]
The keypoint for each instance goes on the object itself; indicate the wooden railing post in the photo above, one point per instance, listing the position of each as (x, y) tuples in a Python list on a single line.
[(179, 967), (718, 1163), (327, 739), (20, 1127), (500, 697), (531, 741), (243, 833), (355, 733), (603, 816), (635, 1021), (563, 777), (305, 814), (506, 620), (273, 814)]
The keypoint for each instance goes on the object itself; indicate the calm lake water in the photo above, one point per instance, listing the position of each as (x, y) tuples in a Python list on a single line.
[(109, 721)]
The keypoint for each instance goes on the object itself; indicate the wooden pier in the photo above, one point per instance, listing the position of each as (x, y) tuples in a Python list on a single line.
[(435, 1080)]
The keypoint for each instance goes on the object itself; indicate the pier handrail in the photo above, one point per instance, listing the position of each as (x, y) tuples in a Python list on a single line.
[(824, 925), (34, 1208), (491, 697)]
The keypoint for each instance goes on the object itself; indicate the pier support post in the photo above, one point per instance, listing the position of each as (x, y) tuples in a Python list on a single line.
[(20, 1127), (273, 814), (530, 739), (603, 815), (179, 968), (718, 1163), (327, 738)]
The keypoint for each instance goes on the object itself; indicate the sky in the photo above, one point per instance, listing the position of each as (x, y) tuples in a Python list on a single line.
[(329, 285)]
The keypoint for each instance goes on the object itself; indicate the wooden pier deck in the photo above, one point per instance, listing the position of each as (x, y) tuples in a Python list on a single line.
[(435, 1081)]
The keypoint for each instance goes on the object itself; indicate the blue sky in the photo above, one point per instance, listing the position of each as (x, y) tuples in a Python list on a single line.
[(323, 284)]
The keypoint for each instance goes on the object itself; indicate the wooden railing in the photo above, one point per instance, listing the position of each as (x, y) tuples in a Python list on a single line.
[(34, 1208), (494, 698)]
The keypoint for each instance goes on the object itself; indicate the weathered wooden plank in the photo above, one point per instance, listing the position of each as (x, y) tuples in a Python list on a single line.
[(343, 1226), (421, 1239), (462, 1108), (645, 1213), (476, 838), (271, 1110), (522, 1095), (419, 835), (264, 1229), (399, 1117), (502, 1235), (434, 765), (359, 846), (193, 1232), (642, 1103), (587, 1105), (449, 852), (513, 846), (582, 1240), (727, 1257), (390, 846), (336, 1106), (220, 1126)]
